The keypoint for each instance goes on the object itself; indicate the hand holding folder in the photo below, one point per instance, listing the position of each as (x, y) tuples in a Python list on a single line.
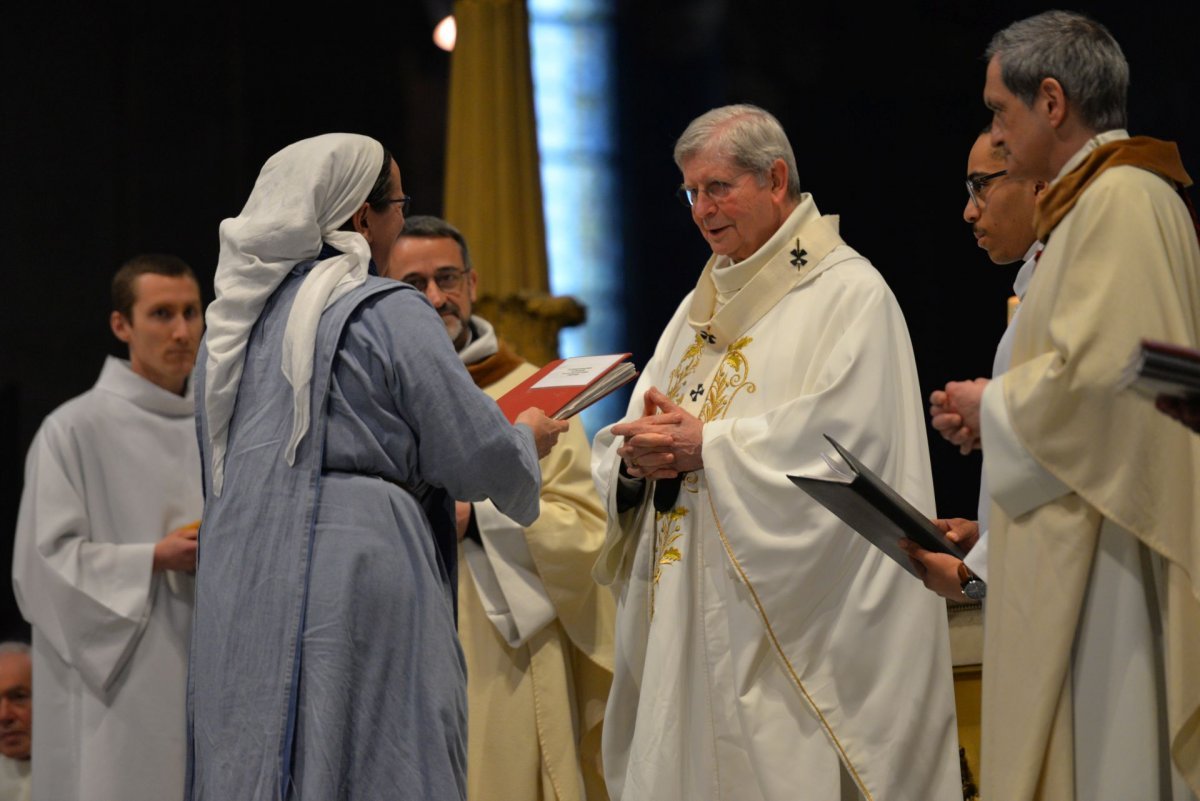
[(876, 511)]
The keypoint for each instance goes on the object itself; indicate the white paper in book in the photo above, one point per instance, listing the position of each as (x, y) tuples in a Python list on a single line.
[(578, 371)]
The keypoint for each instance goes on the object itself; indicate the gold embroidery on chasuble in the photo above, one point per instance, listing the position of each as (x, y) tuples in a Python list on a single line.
[(732, 377), (683, 371), (728, 382), (667, 529)]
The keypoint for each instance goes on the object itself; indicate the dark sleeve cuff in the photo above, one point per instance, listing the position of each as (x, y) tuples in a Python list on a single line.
[(630, 490)]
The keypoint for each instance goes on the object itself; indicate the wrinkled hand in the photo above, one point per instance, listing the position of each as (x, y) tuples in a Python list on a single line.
[(462, 518), (1185, 411), (177, 550), (545, 429), (664, 442), (954, 413)]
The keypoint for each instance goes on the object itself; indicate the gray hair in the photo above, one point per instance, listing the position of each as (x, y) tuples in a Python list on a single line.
[(426, 226), (1076, 51), (14, 647), (747, 135)]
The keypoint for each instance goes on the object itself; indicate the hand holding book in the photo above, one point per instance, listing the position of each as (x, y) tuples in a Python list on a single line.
[(545, 429)]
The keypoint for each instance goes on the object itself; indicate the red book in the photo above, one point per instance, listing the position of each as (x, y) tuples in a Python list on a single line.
[(565, 387)]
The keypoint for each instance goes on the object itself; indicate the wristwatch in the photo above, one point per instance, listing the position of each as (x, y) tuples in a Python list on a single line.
[(972, 585)]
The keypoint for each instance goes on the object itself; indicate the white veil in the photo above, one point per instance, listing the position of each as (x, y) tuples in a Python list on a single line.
[(302, 195)]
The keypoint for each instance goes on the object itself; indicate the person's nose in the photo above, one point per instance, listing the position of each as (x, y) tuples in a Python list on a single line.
[(997, 135), (971, 212), (436, 296), (180, 330), (703, 207)]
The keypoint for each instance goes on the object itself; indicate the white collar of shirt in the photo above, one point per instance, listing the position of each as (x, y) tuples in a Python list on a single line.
[(1096, 141), (482, 341), (118, 378), (1025, 274)]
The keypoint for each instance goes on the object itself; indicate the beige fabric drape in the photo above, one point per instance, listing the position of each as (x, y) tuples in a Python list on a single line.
[(1123, 264), (493, 190)]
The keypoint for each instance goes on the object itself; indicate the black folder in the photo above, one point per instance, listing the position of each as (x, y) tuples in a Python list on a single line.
[(876, 511)]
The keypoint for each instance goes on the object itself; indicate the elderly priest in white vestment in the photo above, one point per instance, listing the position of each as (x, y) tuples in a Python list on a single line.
[(766, 652), (1094, 560), (105, 545)]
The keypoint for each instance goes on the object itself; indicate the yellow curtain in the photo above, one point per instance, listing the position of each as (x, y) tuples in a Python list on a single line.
[(493, 190)]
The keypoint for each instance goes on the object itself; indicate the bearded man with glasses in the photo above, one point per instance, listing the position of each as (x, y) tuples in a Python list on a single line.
[(764, 650)]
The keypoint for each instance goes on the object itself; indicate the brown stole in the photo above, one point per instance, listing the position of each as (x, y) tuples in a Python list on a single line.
[(1154, 155)]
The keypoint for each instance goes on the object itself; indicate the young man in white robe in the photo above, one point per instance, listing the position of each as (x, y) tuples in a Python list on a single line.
[(764, 650), (1091, 686), (105, 545), (536, 630)]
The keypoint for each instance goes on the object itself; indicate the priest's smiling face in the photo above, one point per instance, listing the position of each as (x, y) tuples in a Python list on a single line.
[(163, 331), (435, 265), (736, 210)]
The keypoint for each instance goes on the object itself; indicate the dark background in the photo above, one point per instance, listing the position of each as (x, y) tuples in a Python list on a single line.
[(137, 130)]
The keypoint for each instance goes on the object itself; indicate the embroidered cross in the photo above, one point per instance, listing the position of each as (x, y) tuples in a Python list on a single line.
[(707, 337), (697, 392), (798, 255)]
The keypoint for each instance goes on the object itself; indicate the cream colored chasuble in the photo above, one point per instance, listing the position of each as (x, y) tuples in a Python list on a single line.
[(1093, 621), (759, 641)]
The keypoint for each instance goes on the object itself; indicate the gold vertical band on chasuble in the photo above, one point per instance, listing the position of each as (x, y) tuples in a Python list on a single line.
[(787, 662)]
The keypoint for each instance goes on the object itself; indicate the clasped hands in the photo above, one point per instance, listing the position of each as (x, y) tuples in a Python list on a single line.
[(665, 442), (954, 413)]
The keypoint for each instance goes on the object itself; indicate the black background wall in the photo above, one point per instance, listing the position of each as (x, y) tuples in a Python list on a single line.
[(137, 130)]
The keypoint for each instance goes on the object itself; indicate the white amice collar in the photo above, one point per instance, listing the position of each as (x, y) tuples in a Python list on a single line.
[(794, 254), (118, 378), (1025, 274), (728, 277), (483, 341), (1096, 141)]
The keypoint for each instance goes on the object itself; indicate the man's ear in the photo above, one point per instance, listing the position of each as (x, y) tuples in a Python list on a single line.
[(472, 285), (1053, 99), (120, 327), (779, 178)]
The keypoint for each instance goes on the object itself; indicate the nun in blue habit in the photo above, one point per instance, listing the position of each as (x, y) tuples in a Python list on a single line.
[(334, 416)]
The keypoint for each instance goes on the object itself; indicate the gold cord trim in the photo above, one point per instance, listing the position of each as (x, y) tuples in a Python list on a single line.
[(779, 649)]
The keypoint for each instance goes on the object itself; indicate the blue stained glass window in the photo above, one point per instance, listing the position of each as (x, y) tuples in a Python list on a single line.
[(574, 96)]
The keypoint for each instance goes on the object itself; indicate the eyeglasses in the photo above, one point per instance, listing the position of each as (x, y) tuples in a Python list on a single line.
[(716, 190), (976, 186), (448, 280), (404, 202)]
